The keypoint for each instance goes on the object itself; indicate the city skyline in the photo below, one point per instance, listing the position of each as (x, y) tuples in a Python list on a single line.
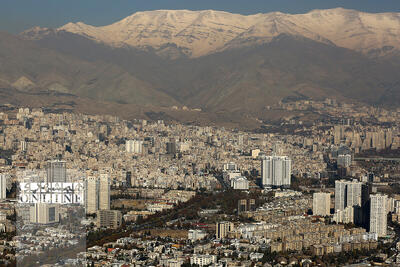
[(182, 133), (186, 174)]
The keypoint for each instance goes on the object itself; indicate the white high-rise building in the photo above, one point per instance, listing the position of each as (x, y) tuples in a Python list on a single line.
[(240, 183), (23, 145), (202, 260), (344, 216), (276, 171), (104, 193), (134, 146), (129, 146), (322, 204), (354, 189), (97, 193), (92, 196), (378, 215), (194, 235), (344, 160), (347, 193), (3, 185), (229, 175), (340, 195)]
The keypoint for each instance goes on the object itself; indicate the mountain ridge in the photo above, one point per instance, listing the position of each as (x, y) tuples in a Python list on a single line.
[(34, 67), (204, 32), (228, 66)]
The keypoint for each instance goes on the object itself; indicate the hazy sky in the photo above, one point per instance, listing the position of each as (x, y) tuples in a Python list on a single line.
[(18, 15)]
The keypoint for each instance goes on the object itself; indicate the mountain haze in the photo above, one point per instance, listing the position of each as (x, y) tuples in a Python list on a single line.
[(26, 65)]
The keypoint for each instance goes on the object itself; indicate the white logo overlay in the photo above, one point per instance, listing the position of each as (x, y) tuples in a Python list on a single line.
[(52, 193)]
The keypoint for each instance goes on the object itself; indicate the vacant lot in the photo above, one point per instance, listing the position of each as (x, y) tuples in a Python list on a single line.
[(133, 204)]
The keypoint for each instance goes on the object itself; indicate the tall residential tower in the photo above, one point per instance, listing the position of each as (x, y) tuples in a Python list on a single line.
[(276, 171)]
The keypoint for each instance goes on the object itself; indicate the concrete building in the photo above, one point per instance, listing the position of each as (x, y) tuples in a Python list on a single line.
[(171, 148), (223, 228), (128, 179), (240, 183), (23, 145), (322, 204), (109, 218), (229, 175), (344, 216), (56, 171), (97, 193), (276, 171), (378, 215), (44, 213), (3, 186), (338, 133), (202, 260), (92, 197), (104, 192), (254, 153), (242, 205), (134, 146), (340, 195), (344, 160), (194, 235), (246, 205), (347, 193), (230, 167)]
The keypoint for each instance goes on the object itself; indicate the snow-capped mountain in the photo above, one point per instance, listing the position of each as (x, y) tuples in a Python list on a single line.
[(212, 60), (198, 33)]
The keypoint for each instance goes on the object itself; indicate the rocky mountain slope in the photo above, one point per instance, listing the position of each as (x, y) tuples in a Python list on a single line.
[(27, 66), (198, 33), (230, 66)]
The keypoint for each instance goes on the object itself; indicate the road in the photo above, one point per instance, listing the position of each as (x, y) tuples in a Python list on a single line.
[(377, 159)]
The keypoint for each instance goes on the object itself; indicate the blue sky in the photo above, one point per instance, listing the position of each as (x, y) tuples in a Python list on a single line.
[(18, 15)]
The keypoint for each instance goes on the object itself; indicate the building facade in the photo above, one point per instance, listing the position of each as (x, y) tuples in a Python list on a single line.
[(44, 213), (378, 215), (203, 260), (347, 193), (3, 185), (322, 204), (134, 146), (56, 171), (222, 229), (240, 183), (344, 160), (109, 218), (104, 192), (97, 193), (276, 171)]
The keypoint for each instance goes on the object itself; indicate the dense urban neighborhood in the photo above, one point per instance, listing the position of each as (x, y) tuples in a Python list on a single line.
[(91, 190)]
